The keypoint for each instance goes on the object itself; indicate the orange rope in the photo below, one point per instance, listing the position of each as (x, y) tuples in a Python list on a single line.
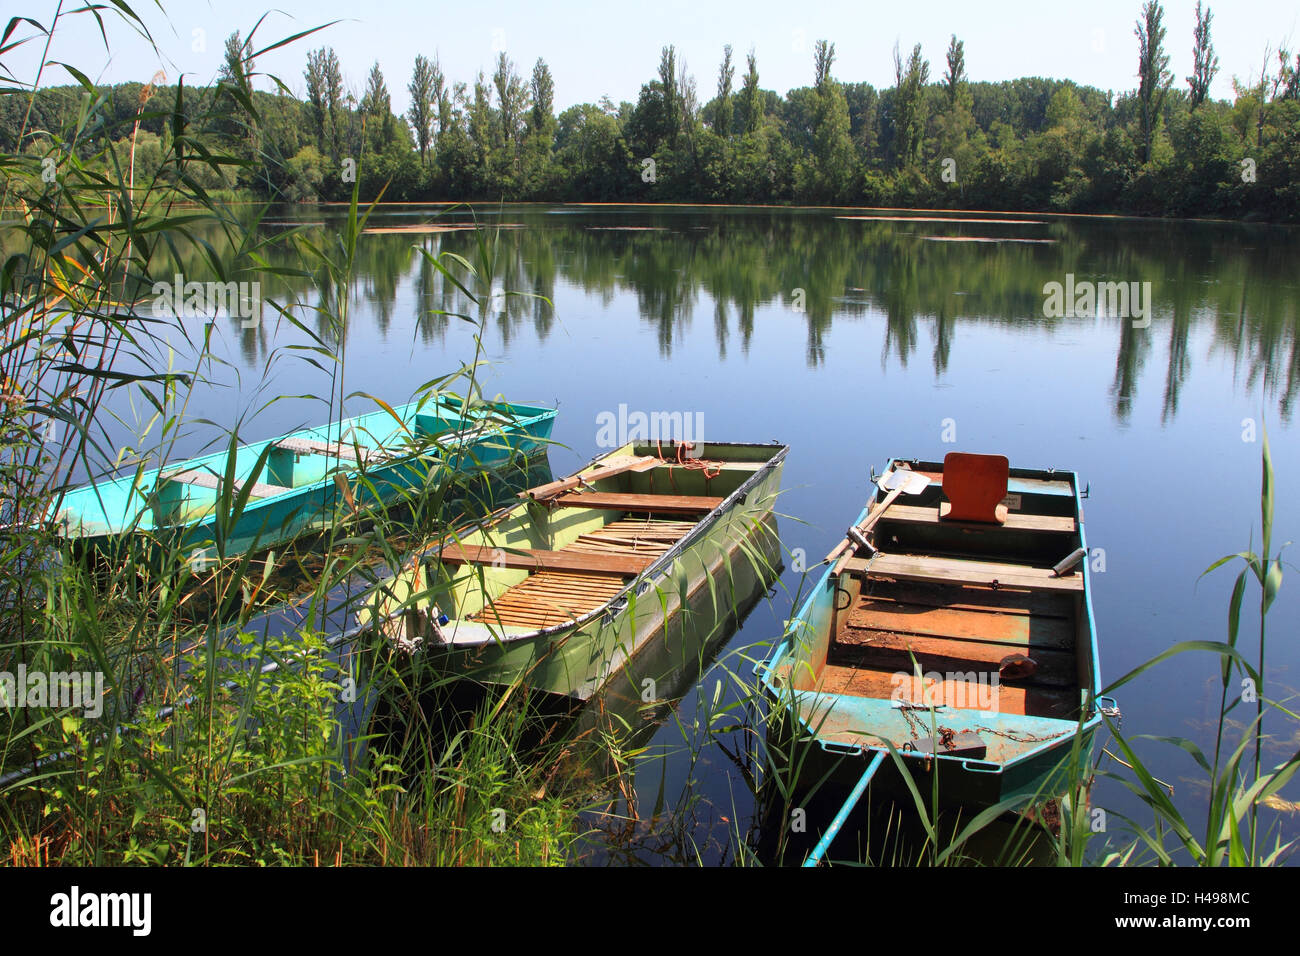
[(711, 469)]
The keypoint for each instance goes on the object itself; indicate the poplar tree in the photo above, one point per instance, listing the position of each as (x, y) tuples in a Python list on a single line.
[(722, 112), (956, 75), (909, 105), (542, 87), (1204, 62), (751, 108), (423, 101), (668, 84), (377, 107), (833, 156), (1154, 78)]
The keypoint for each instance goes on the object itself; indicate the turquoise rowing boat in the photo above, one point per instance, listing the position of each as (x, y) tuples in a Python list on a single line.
[(957, 626), (301, 482)]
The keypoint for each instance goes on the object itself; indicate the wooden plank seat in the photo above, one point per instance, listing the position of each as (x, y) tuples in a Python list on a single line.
[(312, 446), (663, 504), (206, 479), (913, 567), (530, 559), (895, 652), (1016, 521)]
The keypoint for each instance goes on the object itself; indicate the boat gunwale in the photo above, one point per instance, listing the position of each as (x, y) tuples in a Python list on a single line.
[(430, 555), (253, 504)]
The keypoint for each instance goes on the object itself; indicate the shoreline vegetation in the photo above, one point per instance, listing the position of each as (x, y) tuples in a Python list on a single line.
[(233, 753), (937, 139), (958, 215)]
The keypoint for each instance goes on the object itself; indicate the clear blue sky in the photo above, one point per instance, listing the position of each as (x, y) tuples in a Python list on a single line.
[(611, 48)]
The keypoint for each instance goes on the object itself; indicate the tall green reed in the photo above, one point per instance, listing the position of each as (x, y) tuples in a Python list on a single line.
[(215, 744), (1237, 786)]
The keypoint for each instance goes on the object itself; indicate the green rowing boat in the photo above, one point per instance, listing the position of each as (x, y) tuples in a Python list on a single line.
[(559, 591)]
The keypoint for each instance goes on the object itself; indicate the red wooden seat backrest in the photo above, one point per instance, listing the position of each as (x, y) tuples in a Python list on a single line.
[(974, 485)]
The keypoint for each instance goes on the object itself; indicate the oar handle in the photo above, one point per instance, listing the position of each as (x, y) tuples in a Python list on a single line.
[(847, 541), (553, 488), (848, 547), (876, 515)]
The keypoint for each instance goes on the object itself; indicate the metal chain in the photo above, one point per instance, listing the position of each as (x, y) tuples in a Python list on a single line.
[(946, 734), (1022, 738), (919, 730), (913, 723)]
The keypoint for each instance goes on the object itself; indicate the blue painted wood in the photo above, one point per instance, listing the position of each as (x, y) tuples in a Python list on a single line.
[(425, 437), (824, 844), (843, 725)]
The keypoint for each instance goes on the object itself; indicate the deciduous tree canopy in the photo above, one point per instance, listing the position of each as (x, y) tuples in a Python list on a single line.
[(957, 142)]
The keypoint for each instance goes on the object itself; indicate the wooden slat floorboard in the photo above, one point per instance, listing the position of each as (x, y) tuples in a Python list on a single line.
[(580, 577), (971, 598), (536, 602), (1018, 631), (881, 684), (890, 650)]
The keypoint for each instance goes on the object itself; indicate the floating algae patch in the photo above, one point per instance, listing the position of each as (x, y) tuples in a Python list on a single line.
[(981, 239), (1274, 802), (426, 228), (1003, 222)]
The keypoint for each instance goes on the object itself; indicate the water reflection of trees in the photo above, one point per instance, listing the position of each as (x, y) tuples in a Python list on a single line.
[(1235, 280)]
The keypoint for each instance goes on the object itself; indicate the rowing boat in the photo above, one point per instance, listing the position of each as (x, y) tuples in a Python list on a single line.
[(301, 482), (559, 591), (958, 628)]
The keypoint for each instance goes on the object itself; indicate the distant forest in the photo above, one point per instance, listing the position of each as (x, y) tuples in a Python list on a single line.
[(1165, 148)]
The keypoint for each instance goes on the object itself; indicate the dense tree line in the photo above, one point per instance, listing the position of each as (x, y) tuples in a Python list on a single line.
[(933, 141)]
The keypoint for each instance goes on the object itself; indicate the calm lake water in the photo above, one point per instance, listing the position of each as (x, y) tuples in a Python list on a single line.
[(853, 341)]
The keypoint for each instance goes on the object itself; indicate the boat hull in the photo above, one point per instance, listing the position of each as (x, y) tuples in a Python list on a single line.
[(821, 730), (169, 515), (664, 670), (576, 659)]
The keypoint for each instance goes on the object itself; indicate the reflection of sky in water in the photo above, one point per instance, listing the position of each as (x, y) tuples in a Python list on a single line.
[(1152, 419)]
